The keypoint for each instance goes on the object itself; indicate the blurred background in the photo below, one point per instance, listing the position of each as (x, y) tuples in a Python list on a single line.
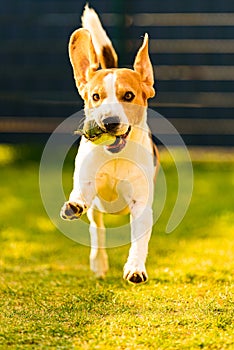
[(191, 47)]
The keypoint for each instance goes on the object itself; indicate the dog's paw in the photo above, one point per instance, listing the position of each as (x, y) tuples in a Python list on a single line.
[(72, 211), (135, 274), (99, 263)]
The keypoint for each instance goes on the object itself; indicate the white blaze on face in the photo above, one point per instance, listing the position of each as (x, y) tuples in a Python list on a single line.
[(109, 83), (111, 106)]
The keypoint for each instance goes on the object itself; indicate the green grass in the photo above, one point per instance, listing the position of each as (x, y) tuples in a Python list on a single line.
[(50, 300)]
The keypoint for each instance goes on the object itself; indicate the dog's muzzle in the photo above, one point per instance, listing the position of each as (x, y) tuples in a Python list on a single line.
[(111, 124)]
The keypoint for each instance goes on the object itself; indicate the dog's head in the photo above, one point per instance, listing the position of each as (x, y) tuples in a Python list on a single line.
[(115, 98)]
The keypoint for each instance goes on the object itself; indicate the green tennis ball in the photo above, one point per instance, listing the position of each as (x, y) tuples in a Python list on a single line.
[(104, 139)]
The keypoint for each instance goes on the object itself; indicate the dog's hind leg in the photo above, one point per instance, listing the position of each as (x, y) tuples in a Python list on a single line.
[(98, 255)]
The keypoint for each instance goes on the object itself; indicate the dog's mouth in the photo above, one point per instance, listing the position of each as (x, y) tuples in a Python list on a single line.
[(119, 143), (93, 133)]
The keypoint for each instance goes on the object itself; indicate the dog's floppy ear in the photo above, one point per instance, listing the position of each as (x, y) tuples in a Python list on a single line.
[(83, 58), (143, 66)]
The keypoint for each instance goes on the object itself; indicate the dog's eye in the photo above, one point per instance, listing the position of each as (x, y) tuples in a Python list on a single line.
[(96, 97), (128, 96)]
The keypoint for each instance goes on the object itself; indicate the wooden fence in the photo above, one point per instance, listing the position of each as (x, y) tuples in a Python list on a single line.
[(191, 47)]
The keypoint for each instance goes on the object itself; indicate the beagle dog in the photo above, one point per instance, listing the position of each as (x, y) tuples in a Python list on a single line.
[(115, 164)]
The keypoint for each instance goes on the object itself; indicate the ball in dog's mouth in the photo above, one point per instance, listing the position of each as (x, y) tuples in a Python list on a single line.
[(96, 135), (119, 143)]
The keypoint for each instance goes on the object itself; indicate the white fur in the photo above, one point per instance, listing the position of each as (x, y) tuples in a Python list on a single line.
[(91, 22), (109, 83)]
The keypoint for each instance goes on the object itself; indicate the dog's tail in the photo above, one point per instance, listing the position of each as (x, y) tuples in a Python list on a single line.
[(102, 44)]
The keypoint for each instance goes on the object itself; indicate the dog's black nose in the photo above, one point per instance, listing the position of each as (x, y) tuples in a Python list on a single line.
[(111, 123)]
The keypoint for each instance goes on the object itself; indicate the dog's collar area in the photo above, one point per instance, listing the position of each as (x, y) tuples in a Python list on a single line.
[(119, 143)]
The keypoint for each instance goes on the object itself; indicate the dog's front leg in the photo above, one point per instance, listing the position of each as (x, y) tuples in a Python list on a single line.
[(79, 201), (141, 226)]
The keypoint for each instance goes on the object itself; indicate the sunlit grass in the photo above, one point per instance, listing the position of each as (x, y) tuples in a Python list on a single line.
[(50, 299), (7, 154)]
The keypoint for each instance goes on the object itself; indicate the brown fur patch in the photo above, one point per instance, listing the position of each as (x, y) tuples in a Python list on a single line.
[(108, 60), (73, 40)]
